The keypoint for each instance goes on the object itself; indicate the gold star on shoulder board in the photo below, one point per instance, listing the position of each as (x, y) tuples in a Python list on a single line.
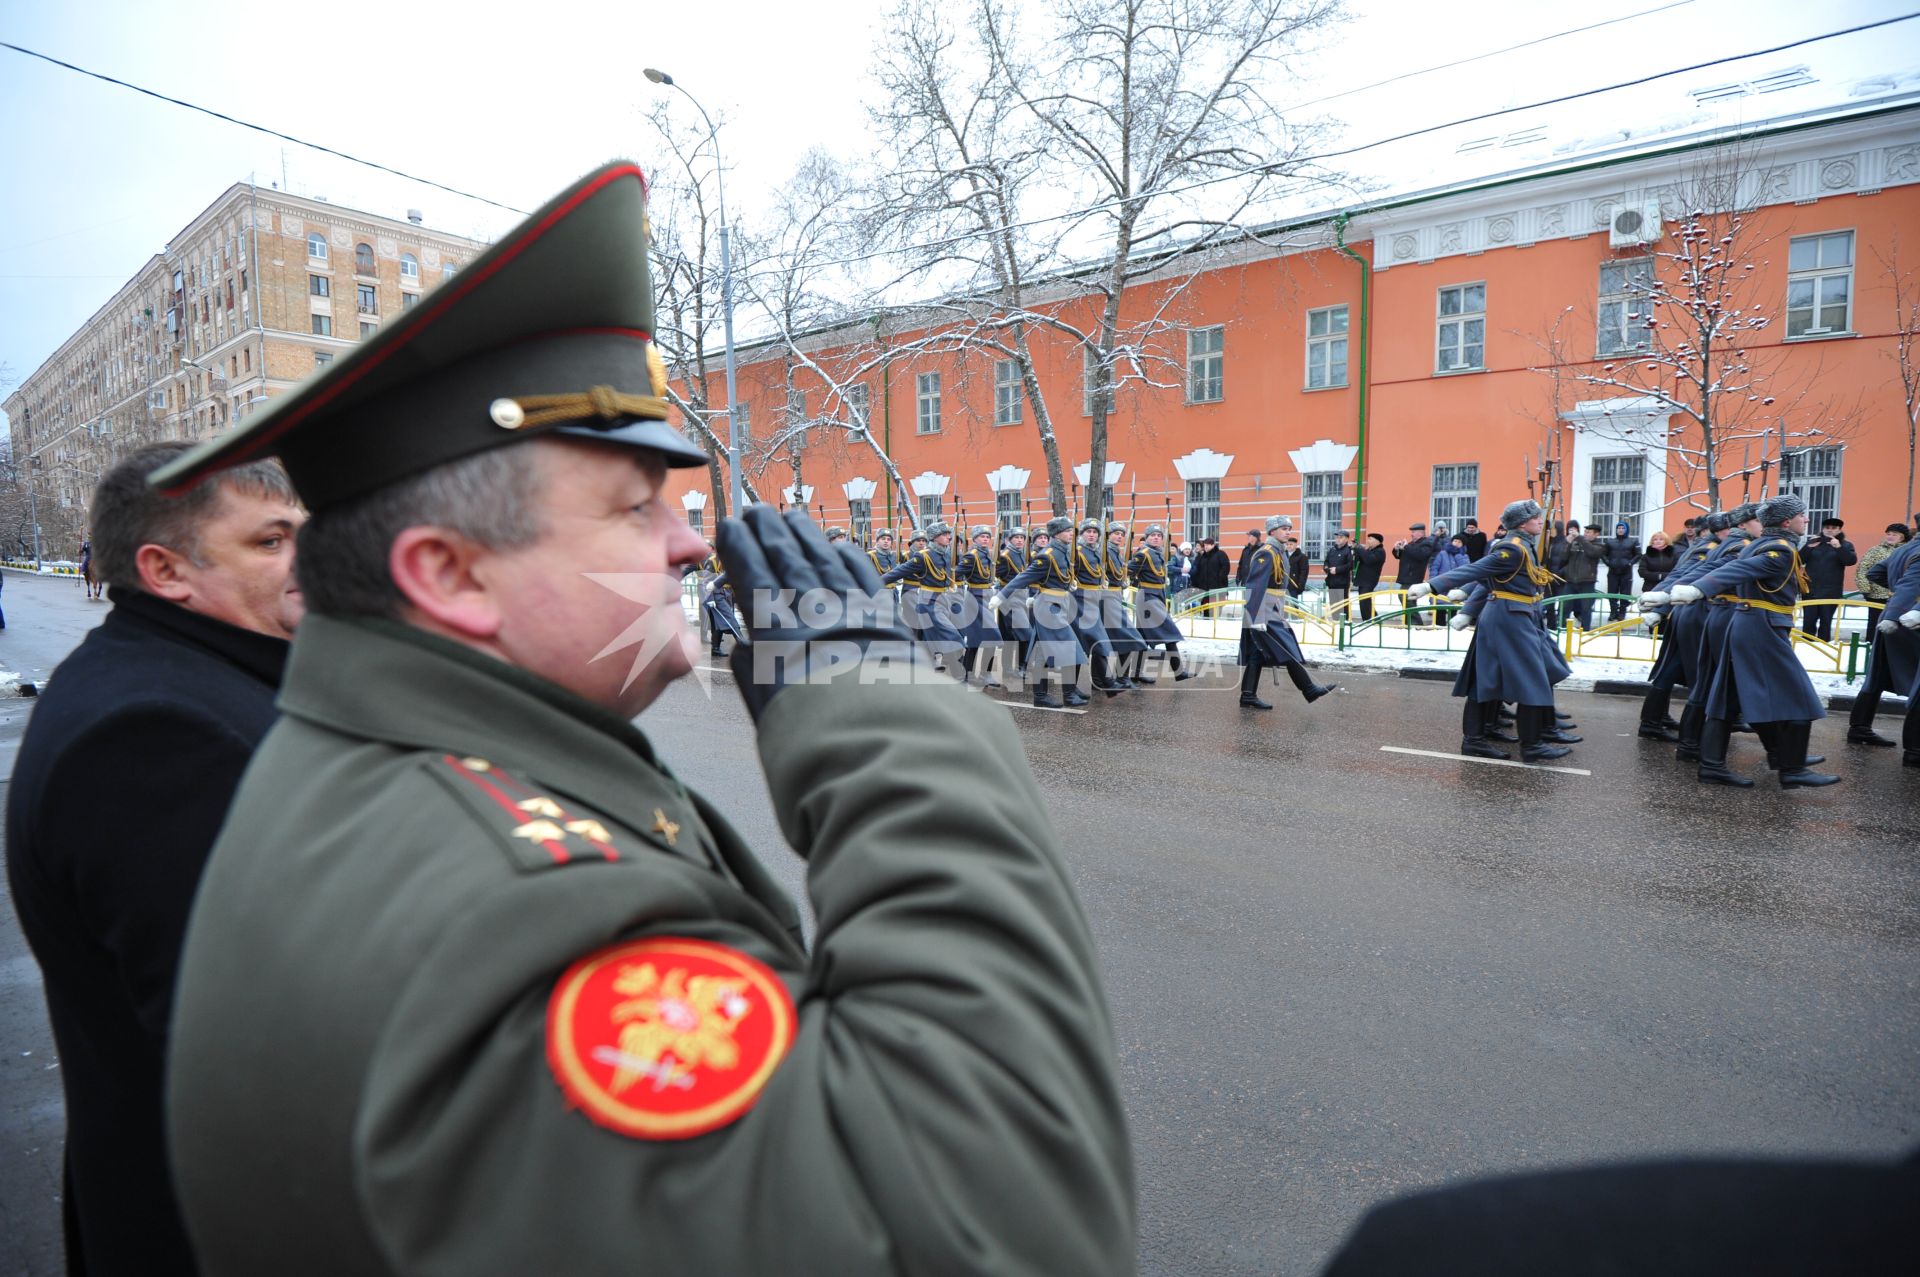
[(540, 831), (591, 830), (664, 827), (541, 805)]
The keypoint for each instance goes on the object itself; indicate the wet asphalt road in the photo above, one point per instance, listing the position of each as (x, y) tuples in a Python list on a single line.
[(1339, 973)]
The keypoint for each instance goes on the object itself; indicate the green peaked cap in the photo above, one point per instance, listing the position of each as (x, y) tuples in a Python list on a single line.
[(550, 331)]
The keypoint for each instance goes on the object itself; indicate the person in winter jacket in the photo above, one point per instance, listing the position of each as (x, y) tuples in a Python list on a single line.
[(1827, 558), (1585, 553), (1339, 567), (1656, 562), (1414, 553), (1368, 563), (1450, 556), (1210, 569), (1622, 552), (1474, 539), (1297, 564)]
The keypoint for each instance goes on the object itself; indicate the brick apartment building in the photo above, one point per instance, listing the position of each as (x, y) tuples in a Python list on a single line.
[(1399, 383), (252, 296)]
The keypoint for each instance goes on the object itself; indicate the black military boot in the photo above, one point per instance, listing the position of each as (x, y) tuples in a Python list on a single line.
[(1714, 735), (1867, 736), (1043, 695), (1474, 716), (1532, 722), (1791, 738), (1655, 724), (1140, 674), (1074, 696), (1102, 677), (1309, 689), (1179, 667), (1559, 735), (1692, 719), (1493, 716), (1250, 687)]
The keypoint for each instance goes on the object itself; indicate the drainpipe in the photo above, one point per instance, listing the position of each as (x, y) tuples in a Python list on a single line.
[(1366, 386), (886, 411)]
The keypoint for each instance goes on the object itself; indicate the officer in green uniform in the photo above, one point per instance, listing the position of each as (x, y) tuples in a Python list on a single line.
[(475, 985)]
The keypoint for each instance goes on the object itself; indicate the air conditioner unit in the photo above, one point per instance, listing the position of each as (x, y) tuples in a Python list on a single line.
[(1633, 226)]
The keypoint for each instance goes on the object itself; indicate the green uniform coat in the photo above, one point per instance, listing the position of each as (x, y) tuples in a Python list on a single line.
[(359, 1079)]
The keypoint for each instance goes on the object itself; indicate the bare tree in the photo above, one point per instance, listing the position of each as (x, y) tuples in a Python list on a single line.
[(1689, 341), (1906, 328), (1140, 101)]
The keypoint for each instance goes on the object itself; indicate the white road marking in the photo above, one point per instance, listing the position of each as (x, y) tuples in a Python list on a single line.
[(1046, 709), (1497, 762)]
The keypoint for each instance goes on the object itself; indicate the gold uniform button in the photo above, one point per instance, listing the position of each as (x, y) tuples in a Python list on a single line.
[(506, 414)]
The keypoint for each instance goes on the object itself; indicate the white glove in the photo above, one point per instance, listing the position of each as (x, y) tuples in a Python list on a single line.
[(1418, 590), (1457, 596), (1911, 619), (1684, 594), (1887, 626), (1460, 621), (1655, 598)]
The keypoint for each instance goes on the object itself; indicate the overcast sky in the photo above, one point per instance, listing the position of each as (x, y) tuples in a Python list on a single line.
[(95, 178)]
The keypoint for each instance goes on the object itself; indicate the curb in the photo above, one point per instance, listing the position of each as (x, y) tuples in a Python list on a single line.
[(1430, 675)]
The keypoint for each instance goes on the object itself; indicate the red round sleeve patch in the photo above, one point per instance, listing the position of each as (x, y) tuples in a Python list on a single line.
[(667, 1038)]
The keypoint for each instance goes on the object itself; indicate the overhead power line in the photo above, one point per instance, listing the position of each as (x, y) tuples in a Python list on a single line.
[(261, 128)]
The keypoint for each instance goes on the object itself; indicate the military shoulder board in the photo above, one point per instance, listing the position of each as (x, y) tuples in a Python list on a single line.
[(534, 830)]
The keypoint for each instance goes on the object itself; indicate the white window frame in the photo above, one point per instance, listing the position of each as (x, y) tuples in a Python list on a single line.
[(1817, 278), (369, 268), (1605, 477), (926, 401), (1089, 363), (409, 268), (316, 246), (930, 503), (1818, 484), (1333, 323), (697, 520), (857, 399), (860, 516), (1009, 508), (1207, 364), (366, 298), (1322, 507), (319, 286), (1463, 501), (448, 270), (322, 325), (1203, 509), (1006, 392), (1453, 328), (1621, 312)]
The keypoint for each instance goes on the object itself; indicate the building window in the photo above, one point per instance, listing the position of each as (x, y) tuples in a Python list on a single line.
[(407, 300), (322, 325), (367, 330), (743, 418), (1456, 495), (319, 286), (316, 247), (1463, 328), (1007, 509), (929, 508), (860, 515), (697, 520), (362, 259), (369, 298), (409, 268), (1820, 285), (1206, 364), (1326, 347), (448, 270), (321, 359), (1626, 299), (1813, 474), (1203, 509), (1322, 509), (1089, 370), (1619, 492), (856, 400), (927, 414), (246, 358), (1006, 392)]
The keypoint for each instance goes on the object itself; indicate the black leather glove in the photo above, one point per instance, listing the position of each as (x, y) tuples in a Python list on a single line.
[(809, 607)]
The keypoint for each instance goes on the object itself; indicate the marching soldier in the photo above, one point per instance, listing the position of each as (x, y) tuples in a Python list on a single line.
[(1265, 637), (834, 535), (881, 554), (927, 574), (973, 582), (475, 984), (1055, 652), (1758, 676), (1893, 661), (1090, 583), (1130, 650), (1016, 632), (1149, 572), (1743, 525), (1511, 657), (1678, 662), (716, 600)]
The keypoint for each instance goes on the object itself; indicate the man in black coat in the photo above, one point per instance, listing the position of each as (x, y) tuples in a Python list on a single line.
[(1827, 558), (123, 779), (1368, 564), (1297, 565), (1210, 568), (1622, 552), (1414, 553), (1339, 562), (1255, 539), (1475, 539)]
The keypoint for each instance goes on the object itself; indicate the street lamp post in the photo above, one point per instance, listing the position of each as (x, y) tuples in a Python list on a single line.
[(726, 285)]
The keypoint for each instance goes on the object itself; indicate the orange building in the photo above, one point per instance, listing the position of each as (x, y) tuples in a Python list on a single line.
[(1434, 372)]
